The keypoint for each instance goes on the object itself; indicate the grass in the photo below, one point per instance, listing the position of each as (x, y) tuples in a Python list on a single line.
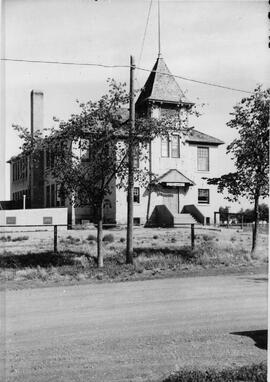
[(253, 373), (157, 252)]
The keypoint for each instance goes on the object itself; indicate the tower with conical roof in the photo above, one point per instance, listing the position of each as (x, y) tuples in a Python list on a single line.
[(161, 93)]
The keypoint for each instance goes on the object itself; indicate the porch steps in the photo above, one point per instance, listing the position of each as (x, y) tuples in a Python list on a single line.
[(186, 218)]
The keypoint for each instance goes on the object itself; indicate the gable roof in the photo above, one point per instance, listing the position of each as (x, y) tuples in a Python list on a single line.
[(196, 136), (176, 177), (162, 86)]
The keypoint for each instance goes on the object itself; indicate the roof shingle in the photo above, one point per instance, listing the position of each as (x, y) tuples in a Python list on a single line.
[(162, 86), (196, 136)]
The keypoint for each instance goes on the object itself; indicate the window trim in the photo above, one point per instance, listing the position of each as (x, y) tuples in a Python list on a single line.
[(168, 147), (178, 146), (208, 197), (208, 163)]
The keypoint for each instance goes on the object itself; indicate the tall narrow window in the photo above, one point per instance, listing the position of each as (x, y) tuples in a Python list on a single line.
[(203, 196), (203, 158), (175, 146), (136, 195), (165, 147)]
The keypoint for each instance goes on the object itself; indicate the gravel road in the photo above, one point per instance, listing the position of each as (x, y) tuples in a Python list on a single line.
[(133, 331)]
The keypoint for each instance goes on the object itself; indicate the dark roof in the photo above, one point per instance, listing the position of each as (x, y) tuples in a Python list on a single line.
[(162, 87), (196, 136)]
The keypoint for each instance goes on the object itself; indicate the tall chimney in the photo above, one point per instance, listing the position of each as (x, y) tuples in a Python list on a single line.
[(36, 111)]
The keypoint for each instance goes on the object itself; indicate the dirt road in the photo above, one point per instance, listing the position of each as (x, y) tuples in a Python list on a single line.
[(134, 331)]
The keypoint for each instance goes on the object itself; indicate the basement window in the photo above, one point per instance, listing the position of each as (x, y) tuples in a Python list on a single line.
[(136, 221)]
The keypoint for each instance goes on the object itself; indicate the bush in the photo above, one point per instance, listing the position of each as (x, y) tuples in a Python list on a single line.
[(109, 238), (122, 240), (20, 238), (5, 238), (155, 237), (173, 240), (207, 237), (91, 237)]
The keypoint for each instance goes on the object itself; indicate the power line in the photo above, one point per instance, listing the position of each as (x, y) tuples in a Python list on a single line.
[(145, 30), (125, 66), (64, 63), (197, 81)]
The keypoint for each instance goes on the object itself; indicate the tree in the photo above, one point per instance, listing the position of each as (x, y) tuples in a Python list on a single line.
[(90, 150), (250, 152)]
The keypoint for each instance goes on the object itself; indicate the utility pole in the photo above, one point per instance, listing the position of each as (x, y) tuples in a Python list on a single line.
[(129, 255)]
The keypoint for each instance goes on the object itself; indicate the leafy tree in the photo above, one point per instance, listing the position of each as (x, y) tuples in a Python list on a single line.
[(250, 152), (223, 213), (89, 151)]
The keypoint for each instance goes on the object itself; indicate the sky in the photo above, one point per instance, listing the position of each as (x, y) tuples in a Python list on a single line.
[(223, 42)]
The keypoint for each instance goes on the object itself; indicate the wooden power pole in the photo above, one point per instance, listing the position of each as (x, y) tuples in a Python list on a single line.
[(129, 255)]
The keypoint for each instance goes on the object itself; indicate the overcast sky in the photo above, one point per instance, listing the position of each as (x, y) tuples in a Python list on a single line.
[(223, 42)]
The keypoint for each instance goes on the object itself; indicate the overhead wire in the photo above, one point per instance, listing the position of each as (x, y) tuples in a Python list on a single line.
[(143, 41), (125, 66)]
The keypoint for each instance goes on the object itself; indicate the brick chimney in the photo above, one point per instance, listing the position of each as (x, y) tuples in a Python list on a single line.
[(36, 111)]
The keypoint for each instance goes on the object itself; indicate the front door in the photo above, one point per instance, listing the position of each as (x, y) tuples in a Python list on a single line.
[(171, 199)]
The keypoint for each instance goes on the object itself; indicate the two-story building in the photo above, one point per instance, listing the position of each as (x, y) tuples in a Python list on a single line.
[(180, 163)]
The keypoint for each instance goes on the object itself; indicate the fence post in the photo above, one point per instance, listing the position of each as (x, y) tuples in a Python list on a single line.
[(192, 236), (55, 238)]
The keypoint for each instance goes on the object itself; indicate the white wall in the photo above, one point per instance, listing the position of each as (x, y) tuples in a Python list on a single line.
[(187, 165), (35, 217)]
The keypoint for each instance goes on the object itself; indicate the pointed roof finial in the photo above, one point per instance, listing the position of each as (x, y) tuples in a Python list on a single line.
[(159, 50)]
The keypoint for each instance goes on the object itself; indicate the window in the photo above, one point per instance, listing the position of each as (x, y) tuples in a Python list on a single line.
[(136, 195), (203, 196), (175, 146), (11, 220), (47, 220), (136, 221), (203, 158), (165, 147)]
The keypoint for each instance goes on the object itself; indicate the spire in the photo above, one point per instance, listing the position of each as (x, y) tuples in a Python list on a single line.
[(161, 86)]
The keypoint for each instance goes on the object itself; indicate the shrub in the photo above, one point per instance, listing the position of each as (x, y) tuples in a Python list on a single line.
[(5, 238), (122, 240), (173, 240), (155, 237), (207, 237), (20, 238), (109, 238), (91, 237)]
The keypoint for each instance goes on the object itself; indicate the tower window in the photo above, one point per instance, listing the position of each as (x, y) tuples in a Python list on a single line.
[(175, 146), (165, 147)]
